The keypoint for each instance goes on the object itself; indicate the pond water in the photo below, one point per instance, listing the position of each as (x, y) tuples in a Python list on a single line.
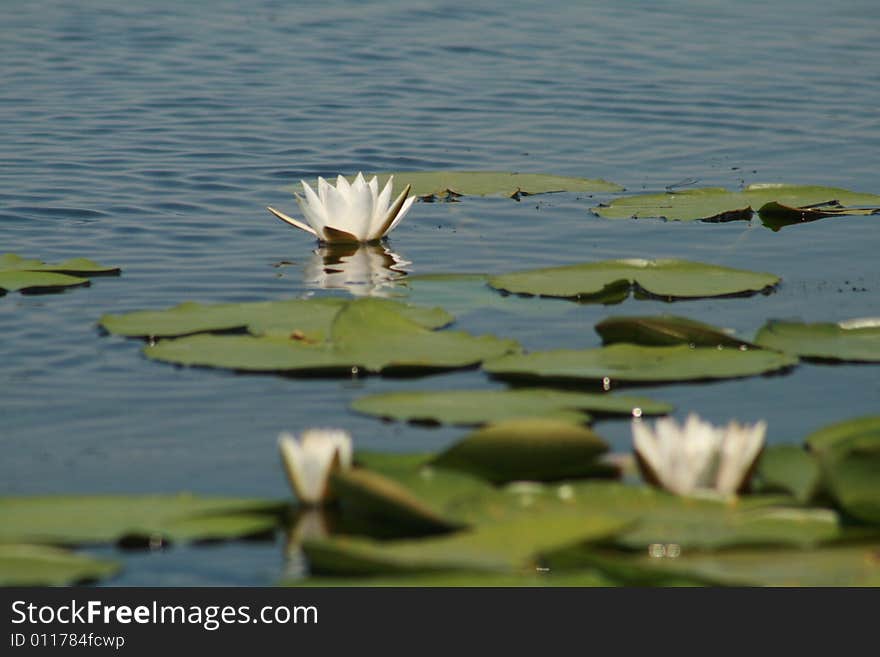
[(150, 136)]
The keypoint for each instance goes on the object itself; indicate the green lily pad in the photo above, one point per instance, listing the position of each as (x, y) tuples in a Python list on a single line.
[(446, 184), (857, 565), (527, 449), (373, 495), (476, 407), (824, 341), (790, 469), (715, 204), (849, 455), (308, 319), (77, 520), (669, 279), (41, 565), (638, 364), (665, 330), (364, 335), (505, 546), (34, 276), (539, 578)]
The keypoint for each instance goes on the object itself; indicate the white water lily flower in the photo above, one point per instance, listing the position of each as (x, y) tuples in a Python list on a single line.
[(697, 457), (309, 461), (349, 212)]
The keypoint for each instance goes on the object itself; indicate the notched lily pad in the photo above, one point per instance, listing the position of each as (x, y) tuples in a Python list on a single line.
[(665, 330), (640, 364), (528, 449), (667, 279), (18, 274), (476, 407), (849, 456), (78, 520), (449, 185), (715, 204), (364, 335), (308, 320), (853, 342), (41, 565)]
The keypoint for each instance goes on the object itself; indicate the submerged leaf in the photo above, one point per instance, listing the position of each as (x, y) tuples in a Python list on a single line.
[(475, 407), (635, 363), (670, 279)]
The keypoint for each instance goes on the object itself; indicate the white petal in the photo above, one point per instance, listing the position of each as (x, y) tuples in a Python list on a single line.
[(742, 445), (302, 473), (342, 185), (314, 200), (315, 216), (400, 215), (292, 221)]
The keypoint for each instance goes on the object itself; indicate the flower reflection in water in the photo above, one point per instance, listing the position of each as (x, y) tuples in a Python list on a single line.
[(361, 269)]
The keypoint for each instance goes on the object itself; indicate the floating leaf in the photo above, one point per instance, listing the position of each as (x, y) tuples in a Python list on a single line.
[(505, 546), (670, 279), (635, 363), (665, 330), (34, 276), (37, 281), (857, 565), (849, 455), (307, 319), (538, 578), (527, 449), (776, 215), (367, 493), (364, 335), (76, 520), (476, 407), (790, 469), (40, 565), (72, 267), (715, 204), (823, 341), (451, 184)]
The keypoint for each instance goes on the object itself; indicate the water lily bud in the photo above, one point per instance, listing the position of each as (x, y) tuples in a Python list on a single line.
[(309, 461)]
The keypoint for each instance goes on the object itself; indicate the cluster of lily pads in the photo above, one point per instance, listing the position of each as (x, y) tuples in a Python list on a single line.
[(531, 496)]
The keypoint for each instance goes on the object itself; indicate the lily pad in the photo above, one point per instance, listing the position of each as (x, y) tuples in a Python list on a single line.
[(639, 364), (527, 449), (857, 565), (18, 274), (307, 319), (364, 335), (505, 546), (665, 330), (77, 520), (476, 407), (715, 204), (823, 341), (538, 578), (849, 455), (791, 469), (41, 565), (444, 184), (669, 279)]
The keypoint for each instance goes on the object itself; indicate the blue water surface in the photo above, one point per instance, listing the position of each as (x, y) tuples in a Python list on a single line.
[(151, 135)]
